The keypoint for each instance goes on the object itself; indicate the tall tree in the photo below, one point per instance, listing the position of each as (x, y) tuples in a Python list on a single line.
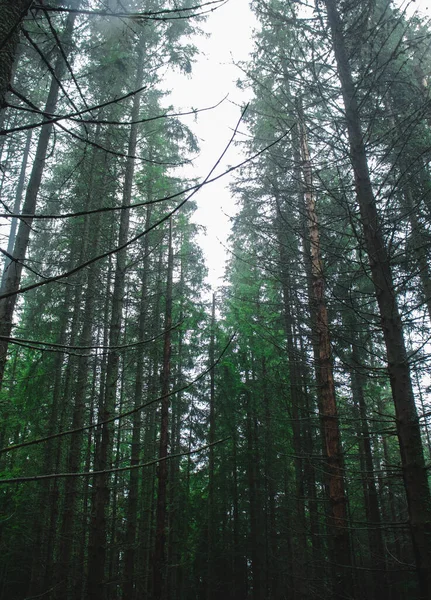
[(408, 428)]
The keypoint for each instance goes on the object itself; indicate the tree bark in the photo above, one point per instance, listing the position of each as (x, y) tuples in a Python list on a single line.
[(257, 547), (372, 509), (295, 406), (326, 390)]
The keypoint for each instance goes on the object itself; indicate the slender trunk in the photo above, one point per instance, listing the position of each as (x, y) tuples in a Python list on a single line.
[(238, 562), (328, 404), (160, 551), (408, 428), (372, 510), (271, 567), (175, 496), (79, 567), (90, 239), (114, 557), (295, 406), (211, 438), (142, 576), (178, 514), (149, 476), (132, 498), (253, 477)]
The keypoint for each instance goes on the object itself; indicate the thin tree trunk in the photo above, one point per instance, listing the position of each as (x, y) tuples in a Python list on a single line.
[(90, 239), (149, 476), (211, 438), (159, 559), (271, 567), (238, 566), (372, 510), (257, 553), (113, 557), (132, 498), (295, 406), (79, 571), (328, 404)]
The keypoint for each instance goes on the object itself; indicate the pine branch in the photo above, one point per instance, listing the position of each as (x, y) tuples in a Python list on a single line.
[(161, 15)]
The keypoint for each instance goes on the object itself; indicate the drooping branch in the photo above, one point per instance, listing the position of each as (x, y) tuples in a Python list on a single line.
[(125, 414), (113, 470)]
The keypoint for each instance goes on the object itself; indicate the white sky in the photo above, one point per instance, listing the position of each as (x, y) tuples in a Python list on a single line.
[(214, 76)]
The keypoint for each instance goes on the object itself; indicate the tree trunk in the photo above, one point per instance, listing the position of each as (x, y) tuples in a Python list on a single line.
[(90, 238), (149, 475), (132, 499), (159, 559), (326, 390), (408, 428), (295, 406), (372, 510), (257, 552), (211, 438)]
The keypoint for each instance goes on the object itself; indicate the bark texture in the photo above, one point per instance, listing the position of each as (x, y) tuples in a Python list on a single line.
[(326, 391)]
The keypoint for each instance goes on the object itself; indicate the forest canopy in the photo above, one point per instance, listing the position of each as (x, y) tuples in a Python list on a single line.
[(266, 440)]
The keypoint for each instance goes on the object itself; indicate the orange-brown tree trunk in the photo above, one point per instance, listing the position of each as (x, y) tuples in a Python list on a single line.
[(326, 391)]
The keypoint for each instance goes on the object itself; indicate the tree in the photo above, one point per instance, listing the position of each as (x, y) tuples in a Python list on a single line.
[(409, 434)]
